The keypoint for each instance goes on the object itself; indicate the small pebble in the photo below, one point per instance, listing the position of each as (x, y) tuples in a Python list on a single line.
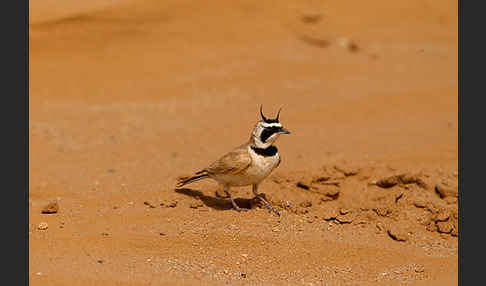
[(348, 44), (51, 208), (149, 204), (169, 204), (42, 226), (419, 268), (196, 204), (343, 211)]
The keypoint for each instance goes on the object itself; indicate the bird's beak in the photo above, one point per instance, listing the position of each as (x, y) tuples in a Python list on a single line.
[(284, 131)]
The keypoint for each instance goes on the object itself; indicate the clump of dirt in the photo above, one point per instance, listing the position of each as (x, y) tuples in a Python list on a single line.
[(401, 179), (447, 190), (400, 203), (168, 203), (396, 232)]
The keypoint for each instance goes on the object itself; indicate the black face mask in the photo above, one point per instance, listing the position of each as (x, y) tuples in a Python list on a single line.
[(269, 131)]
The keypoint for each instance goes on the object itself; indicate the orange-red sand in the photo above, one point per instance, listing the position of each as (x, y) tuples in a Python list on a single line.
[(127, 95)]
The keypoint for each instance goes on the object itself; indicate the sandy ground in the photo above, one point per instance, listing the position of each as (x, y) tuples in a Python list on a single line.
[(125, 96)]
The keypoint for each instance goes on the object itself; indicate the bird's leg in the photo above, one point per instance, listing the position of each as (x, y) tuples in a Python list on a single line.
[(235, 206), (267, 204)]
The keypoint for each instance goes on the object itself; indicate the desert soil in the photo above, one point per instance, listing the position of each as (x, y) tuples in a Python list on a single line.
[(125, 96)]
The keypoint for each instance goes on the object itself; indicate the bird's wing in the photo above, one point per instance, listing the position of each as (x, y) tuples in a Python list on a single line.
[(231, 163)]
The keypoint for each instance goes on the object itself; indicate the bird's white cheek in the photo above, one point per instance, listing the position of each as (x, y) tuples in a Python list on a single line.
[(272, 138)]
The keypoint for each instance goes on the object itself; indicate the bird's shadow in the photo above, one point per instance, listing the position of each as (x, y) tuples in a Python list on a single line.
[(214, 202)]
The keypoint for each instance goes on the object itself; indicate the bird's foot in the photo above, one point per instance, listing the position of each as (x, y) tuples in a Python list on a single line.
[(236, 207), (241, 209), (267, 205)]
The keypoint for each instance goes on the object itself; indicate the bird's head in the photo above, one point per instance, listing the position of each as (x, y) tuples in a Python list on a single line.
[(267, 130)]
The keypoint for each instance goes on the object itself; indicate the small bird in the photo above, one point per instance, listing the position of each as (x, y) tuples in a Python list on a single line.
[(248, 164)]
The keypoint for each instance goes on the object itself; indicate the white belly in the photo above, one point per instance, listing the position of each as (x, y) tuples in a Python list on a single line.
[(259, 169)]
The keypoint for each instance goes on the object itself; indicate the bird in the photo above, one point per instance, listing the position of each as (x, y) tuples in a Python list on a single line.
[(247, 164)]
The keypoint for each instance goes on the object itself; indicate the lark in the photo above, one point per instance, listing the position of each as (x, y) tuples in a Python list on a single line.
[(248, 164)]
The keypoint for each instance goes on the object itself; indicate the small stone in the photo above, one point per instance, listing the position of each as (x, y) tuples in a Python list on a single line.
[(99, 261), (348, 44), (397, 233), (419, 268), (330, 213), (303, 185), (347, 218), (149, 204), (442, 216), (388, 182), (196, 204), (445, 226), (243, 275), (168, 204), (244, 255), (43, 226), (419, 203), (51, 208), (445, 191)]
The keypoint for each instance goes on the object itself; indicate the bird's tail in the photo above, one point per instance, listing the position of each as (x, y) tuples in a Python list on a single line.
[(182, 181)]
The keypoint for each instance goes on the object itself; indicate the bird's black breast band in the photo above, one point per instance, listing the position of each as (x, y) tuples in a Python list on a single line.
[(266, 152)]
